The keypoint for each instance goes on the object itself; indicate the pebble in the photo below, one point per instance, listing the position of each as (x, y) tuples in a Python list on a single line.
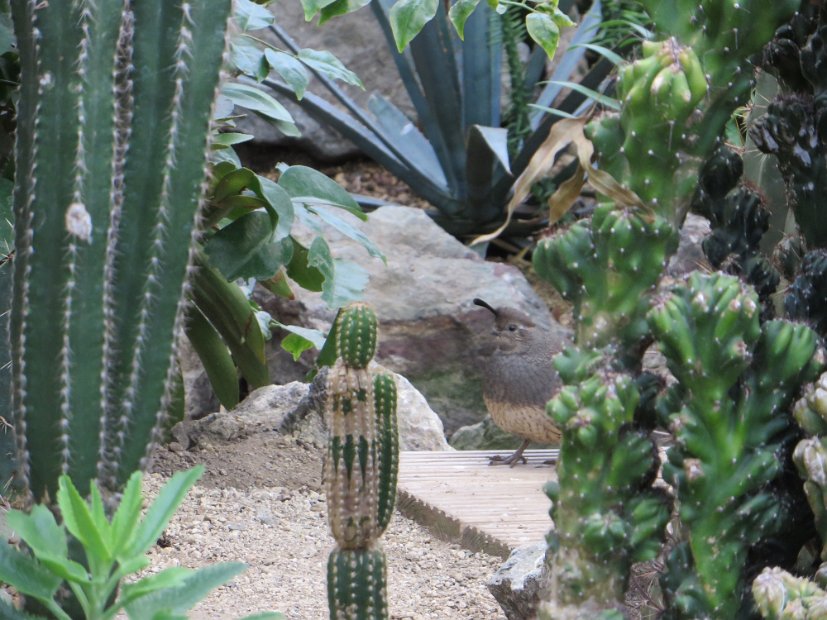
[(283, 536)]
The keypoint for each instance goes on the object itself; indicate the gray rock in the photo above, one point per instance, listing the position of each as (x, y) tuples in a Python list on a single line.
[(521, 582), (357, 41), (690, 254), (199, 398), (295, 408), (424, 300)]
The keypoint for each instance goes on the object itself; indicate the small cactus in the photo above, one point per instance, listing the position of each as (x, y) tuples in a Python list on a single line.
[(360, 468)]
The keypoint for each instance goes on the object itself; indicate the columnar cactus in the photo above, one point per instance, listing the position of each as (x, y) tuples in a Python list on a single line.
[(360, 468), (113, 121), (735, 379), (675, 102)]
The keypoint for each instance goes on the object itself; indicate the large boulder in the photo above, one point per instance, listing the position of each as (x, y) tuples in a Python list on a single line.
[(297, 408), (430, 327)]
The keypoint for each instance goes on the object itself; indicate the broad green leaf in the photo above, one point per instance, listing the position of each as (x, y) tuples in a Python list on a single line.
[(227, 139), (278, 285), (346, 228), (291, 70), (313, 336), (295, 345), (341, 7), (459, 13), (180, 598), (327, 64), (251, 16), (245, 248), (304, 182), (300, 270), (280, 200), (265, 615), (162, 509), (127, 515), (39, 530), (348, 284), (77, 517), (258, 101), (25, 575), (233, 183), (343, 281), (214, 355), (408, 17), (248, 58), (544, 31), (313, 7), (99, 516), (65, 568), (167, 578)]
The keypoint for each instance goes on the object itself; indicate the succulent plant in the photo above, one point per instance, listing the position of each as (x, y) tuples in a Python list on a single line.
[(360, 467), (113, 121)]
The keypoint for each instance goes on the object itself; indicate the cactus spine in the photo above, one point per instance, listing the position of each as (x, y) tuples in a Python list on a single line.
[(113, 123), (360, 468)]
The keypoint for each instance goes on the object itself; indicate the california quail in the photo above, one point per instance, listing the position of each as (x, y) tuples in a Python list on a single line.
[(519, 379)]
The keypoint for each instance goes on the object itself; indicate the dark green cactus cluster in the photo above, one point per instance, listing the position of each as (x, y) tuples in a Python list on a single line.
[(360, 468), (736, 377), (794, 127), (739, 219), (777, 593)]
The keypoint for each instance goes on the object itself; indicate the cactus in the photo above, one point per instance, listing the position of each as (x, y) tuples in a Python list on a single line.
[(113, 123), (675, 102), (735, 377), (360, 468)]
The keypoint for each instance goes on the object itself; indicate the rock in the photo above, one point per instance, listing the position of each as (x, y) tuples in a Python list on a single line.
[(424, 300), (690, 254), (521, 582), (199, 398), (295, 408), (357, 40)]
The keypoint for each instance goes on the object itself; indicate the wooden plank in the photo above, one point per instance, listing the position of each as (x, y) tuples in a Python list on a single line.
[(462, 498)]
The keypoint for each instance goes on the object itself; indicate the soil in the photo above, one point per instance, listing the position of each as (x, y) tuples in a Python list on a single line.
[(260, 502)]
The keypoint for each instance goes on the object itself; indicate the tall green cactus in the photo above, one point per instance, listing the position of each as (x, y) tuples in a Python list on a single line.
[(675, 101), (112, 134), (360, 468)]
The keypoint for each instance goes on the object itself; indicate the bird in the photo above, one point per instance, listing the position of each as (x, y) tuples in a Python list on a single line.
[(519, 379)]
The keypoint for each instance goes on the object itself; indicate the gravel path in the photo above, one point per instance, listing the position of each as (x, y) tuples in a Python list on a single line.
[(282, 535)]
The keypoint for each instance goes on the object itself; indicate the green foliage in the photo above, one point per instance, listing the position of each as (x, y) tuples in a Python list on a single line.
[(114, 550), (360, 467), (457, 154)]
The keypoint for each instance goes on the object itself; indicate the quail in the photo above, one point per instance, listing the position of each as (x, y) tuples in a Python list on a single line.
[(519, 379)]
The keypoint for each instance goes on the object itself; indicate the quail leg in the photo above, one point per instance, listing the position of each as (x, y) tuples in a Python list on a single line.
[(510, 460)]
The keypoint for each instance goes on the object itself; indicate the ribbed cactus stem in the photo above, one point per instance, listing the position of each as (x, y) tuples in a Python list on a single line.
[(113, 122), (360, 468), (356, 585), (356, 335)]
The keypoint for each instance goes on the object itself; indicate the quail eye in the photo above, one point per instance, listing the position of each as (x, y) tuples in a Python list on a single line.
[(512, 327)]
